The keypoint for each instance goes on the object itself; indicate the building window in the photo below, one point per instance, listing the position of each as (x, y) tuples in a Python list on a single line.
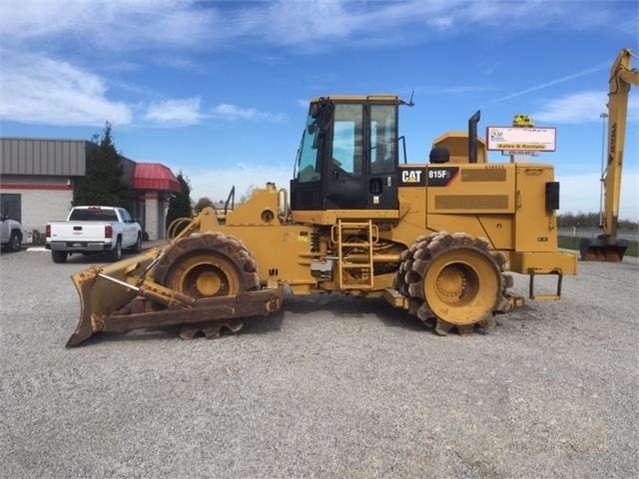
[(11, 206)]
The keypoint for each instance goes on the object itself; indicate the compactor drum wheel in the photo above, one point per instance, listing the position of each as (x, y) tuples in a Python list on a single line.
[(207, 266), (454, 280)]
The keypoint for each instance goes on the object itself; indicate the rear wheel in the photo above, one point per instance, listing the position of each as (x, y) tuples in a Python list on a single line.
[(15, 241), (116, 253), (454, 280), (59, 256), (137, 247), (208, 266)]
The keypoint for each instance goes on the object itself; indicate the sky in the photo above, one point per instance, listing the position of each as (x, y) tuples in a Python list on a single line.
[(219, 90)]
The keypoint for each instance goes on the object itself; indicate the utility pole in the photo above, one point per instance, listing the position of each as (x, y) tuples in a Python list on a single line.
[(603, 116)]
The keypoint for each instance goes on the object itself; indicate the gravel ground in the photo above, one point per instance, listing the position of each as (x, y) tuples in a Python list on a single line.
[(328, 387)]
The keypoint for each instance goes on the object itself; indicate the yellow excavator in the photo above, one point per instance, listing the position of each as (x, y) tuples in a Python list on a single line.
[(436, 239), (608, 246)]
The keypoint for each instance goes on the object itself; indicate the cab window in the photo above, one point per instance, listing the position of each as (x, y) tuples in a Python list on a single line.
[(347, 138), (308, 153), (383, 139)]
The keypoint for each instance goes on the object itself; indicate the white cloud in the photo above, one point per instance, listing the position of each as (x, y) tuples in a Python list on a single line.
[(175, 112), (22, 20), (461, 90), (302, 23), (77, 96), (226, 111), (135, 25), (581, 194), (36, 89), (442, 23), (556, 81), (581, 107), (322, 24), (111, 25)]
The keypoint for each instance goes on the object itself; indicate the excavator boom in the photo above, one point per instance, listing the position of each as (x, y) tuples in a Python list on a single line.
[(608, 247)]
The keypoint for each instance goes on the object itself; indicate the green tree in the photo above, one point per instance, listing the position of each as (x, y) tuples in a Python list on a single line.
[(202, 203), (180, 204), (102, 183)]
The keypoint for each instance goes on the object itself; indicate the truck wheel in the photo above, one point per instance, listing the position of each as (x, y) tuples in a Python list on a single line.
[(137, 247), (116, 253), (59, 256), (14, 241)]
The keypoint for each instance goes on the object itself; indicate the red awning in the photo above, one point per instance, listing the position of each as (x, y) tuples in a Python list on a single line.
[(154, 176)]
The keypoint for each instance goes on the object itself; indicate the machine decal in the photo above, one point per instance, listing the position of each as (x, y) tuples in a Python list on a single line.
[(412, 177), (442, 175)]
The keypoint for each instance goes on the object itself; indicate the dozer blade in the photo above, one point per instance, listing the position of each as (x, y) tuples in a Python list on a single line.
[(99, 298), (118, 298), (599, 250), (203, 311)]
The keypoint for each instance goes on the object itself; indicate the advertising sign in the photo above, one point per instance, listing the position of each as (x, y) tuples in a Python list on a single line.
[(516, 139)]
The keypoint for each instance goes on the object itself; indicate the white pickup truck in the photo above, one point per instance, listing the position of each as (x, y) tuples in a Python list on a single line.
[(10, 234), (94, 229)]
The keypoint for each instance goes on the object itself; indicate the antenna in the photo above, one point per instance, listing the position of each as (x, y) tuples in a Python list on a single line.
[(410, 101)]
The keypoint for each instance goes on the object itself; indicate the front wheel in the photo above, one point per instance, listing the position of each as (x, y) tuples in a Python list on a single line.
[(207, 266)]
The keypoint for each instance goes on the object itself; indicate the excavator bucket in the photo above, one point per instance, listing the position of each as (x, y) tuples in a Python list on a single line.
[(600, 250)]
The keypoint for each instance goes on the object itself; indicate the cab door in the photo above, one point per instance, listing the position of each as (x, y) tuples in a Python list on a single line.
[(345, 169), (383, 157), (307, 186)]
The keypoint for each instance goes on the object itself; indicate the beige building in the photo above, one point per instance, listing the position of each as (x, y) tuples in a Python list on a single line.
[(38, 176)]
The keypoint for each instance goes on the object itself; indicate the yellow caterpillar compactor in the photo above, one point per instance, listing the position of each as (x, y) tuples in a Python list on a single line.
[(435, 239)]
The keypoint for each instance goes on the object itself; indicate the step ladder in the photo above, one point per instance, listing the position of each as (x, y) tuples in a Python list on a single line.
[(355, 272)]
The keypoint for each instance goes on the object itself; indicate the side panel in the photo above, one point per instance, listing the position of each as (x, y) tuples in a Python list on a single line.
[(476, 199), (4, 231), (283, 253), (506, 203), (412, 196), (535, 226), (471, 189), (498, 229)]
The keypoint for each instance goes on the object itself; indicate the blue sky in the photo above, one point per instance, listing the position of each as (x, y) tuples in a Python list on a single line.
[(219, 89)]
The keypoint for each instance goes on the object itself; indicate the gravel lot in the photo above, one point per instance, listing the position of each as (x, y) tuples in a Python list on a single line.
[(328, 387)]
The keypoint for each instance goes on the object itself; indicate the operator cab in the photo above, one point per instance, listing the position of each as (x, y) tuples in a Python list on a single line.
[(348, 156)]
